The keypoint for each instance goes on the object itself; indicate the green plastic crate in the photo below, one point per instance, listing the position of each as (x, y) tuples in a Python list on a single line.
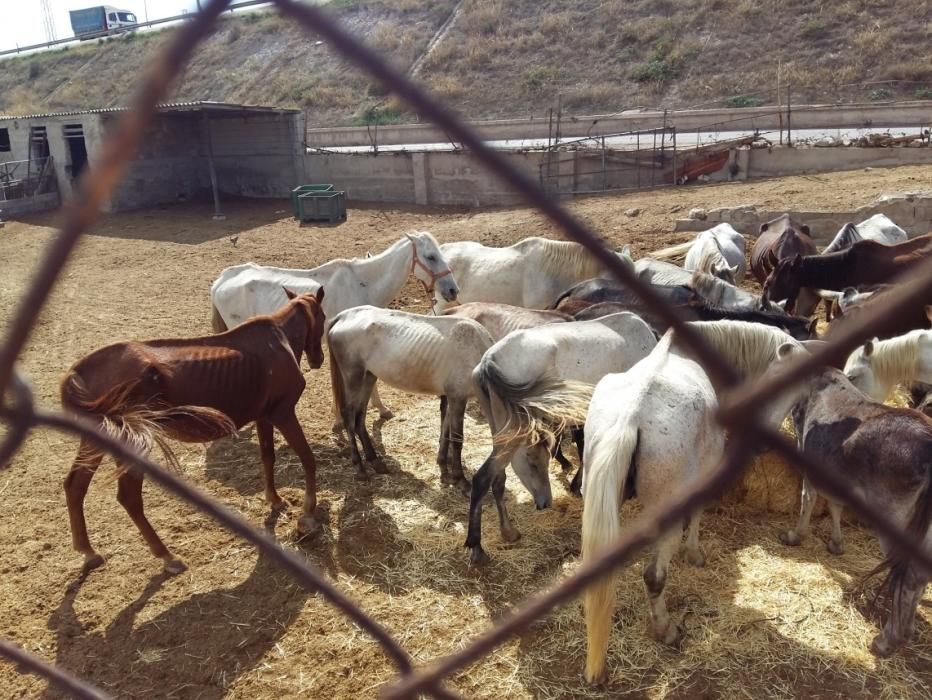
[(322, 206), (302, 189)]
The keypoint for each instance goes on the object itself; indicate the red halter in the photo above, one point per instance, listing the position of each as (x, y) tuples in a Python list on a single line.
[(416, 261)]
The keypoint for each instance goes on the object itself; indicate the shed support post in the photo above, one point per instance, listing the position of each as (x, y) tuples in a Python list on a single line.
[(218, 215)]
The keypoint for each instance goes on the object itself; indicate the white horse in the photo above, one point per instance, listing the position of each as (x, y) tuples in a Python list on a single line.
[(720, 251), (716, 291), (244, 291), (879, 365), (532, 386), (432, 355), (878, 228), (650, 430), (531, 273)]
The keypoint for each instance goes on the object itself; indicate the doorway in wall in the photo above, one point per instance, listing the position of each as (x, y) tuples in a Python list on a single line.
[(77, 149), (38, 143)]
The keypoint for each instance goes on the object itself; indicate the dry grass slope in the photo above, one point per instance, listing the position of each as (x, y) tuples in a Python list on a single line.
[(514, 58)]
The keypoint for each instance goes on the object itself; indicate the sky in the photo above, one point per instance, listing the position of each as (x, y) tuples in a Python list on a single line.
[(21, 20)]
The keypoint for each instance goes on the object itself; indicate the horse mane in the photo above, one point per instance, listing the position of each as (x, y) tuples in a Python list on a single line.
[(561, 256), (711, 254), (750, 347), (709, 286), (895, 358), (368, 257)]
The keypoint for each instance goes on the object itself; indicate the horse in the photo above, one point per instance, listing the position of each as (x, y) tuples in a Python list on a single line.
[(865, 262), (530, 273), (778, 239), (651, 429), (243, 291), (837, 303), (878, 228), (534, 384), (885, 454), (432, 355), (916, 318), (719, 251), (195, 390), (879, 365), (500, 320)]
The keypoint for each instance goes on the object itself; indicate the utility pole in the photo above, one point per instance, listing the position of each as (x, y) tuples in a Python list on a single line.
[(48, 21)]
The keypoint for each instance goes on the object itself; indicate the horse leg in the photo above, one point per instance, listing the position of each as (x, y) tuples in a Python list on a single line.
[(662, 627), (265, 432), (350, 413), (557, 454), (444, 448), (289, 427), (376, 400), (906, 592), (510, 533), (481, 482), (368, 383), (457, 413), (808, 498), (836, 543), (694, 554), (76, 483), (129, 494), (579, 439)]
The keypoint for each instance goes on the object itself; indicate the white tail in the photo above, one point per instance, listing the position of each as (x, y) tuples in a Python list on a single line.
[(672, 252), (607, 464)]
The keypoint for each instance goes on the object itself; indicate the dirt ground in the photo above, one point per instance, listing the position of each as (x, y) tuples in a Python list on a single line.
[(762, 620)]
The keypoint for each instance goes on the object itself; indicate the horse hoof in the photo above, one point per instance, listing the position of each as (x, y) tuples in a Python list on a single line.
[(386, 414), (510, 534), (308, 526), (696, 558), (336, 428), (378, 466), (836, 548), (671, 636), (597, 679), (276, 504), (478, 557), (463, 484), (881, 647), (92, 561), (174, 566), (790, 538)]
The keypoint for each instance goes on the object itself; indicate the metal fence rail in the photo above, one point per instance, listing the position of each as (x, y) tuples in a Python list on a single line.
[(739, 402)]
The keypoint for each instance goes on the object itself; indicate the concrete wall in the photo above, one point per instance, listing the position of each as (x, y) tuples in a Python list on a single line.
[(258, 155), (13, 208), (458, 179), (904, 114)]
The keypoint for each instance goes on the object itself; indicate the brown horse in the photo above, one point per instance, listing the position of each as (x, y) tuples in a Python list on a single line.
[(885, 454), (865, 262), (776, 240), (195, 390)]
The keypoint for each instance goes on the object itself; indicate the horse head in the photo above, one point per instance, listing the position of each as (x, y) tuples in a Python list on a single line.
[(784, 282), (725, 272), (430, 267), (531, 468), (860, 371), (312, 304)]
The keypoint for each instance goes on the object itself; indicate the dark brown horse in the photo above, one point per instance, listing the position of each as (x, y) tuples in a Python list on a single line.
[(776, 240), (195, 390), (885, 454), (865, 262)]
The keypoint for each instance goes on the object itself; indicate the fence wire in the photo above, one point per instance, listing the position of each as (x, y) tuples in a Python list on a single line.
[(739, 402)]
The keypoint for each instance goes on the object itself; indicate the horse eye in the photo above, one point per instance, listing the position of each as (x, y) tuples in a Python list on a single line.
[(431, 258)]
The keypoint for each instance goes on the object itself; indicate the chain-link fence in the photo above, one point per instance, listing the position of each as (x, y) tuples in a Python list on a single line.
[(740, 402)]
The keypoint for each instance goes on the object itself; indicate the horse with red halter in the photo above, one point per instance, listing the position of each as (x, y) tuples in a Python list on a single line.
[(195, 390), (865, 262)]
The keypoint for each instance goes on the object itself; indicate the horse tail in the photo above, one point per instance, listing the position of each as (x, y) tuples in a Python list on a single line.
[(216, 320), (537, 411), (607, 464), (336, 376), (142, 426), (897, 564), (673, 251)]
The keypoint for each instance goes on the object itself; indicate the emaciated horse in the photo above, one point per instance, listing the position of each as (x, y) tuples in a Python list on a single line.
[(195, 390), (720, 251)]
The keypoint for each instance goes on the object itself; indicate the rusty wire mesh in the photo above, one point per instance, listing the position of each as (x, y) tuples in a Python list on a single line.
[(739, 402)]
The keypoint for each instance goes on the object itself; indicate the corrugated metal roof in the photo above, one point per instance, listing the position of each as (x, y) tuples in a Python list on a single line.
[(201, 105)]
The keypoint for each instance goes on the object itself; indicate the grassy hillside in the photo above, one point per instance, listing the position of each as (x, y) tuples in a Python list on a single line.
[(514, 57)]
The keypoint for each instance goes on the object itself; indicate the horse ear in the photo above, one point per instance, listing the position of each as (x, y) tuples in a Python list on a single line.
[(805, 229), (288, 293), (409, 236), (785, 350), (320, 294), (869, 348)]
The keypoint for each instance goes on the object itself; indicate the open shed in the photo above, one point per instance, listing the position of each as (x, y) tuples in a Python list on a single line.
[(192, 149)]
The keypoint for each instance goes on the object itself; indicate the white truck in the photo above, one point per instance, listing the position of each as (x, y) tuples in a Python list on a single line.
[(91, 22)]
